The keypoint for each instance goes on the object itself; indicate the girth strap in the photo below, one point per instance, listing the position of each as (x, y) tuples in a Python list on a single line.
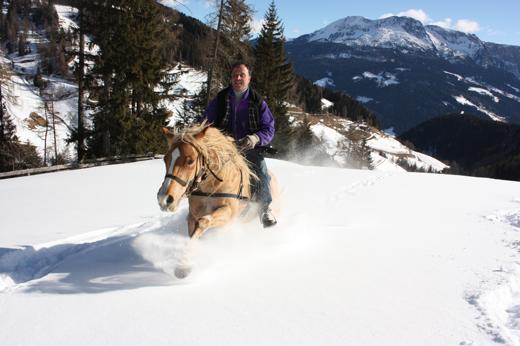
[(224, 194), (218, 194)]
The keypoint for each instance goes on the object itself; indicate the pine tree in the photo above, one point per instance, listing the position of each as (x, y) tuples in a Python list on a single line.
[(131, 63), (12, 24), (236, 20), (273, 75), (13, 155)]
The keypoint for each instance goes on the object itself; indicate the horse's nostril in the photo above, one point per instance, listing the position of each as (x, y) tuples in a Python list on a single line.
[(169, 200)]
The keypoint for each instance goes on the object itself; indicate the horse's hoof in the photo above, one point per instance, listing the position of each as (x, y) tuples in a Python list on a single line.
[(182, 272)]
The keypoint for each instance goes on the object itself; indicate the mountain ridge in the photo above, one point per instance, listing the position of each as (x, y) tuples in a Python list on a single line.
[(403, 70)]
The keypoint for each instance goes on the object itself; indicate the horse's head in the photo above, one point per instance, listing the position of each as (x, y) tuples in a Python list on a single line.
[(183, 164)]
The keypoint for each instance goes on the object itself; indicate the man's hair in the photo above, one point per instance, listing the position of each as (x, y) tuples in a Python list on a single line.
[(242, 63)]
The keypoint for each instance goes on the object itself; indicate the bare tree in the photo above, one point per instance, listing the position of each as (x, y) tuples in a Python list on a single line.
[(233, 18)]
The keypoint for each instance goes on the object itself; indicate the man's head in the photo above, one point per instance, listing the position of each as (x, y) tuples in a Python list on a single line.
[(240, 77)]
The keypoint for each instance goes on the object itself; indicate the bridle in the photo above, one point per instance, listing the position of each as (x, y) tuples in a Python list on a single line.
[(193, 184), (199, 177)]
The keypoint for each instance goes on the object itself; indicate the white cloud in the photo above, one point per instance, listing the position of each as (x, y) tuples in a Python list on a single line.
[(467, 26), (420, 15), (464, 25), (446, 23), (172, 3)]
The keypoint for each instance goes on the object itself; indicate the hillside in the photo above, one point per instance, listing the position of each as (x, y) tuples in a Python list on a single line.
[(479, 147)]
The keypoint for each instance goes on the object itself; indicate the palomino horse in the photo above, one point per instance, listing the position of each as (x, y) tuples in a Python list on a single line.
[(205, 166)]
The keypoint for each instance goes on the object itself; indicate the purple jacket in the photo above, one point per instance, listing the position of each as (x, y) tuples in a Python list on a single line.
[(239, 120)]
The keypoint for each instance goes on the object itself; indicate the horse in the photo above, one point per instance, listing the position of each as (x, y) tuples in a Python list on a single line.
[(205, 166)]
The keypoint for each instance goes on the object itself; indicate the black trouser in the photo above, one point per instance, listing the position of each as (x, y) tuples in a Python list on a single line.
[(260, 188)]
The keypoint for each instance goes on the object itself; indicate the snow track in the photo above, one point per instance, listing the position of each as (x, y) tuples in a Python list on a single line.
[(20, 266), (499, 303)]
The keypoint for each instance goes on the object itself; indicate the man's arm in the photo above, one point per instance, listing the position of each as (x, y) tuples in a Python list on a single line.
[(266, 132)]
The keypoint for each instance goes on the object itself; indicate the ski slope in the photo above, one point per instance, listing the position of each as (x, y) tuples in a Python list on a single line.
[(358, 258)]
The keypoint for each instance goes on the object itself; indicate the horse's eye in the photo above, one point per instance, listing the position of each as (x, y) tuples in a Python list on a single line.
[(189, 161)]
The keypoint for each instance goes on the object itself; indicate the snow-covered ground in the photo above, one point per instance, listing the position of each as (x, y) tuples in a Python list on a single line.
[(358, 258)]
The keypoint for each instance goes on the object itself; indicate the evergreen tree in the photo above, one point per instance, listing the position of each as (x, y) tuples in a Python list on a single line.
[(236, 20), (273, 75), (131, 63), (12, 24), (13, 155)]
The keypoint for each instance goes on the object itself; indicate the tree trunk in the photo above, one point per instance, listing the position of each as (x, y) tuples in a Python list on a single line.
[(54, 133), (81, 71), (46, 133), (1, 115), (215, 49)]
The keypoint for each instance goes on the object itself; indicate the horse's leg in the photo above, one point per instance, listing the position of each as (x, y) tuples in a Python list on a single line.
[(196, 228), (219, 217), (183, 267)]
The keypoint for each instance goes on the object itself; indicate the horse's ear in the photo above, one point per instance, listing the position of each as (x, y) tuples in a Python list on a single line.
[(205, 128), (168, 134)]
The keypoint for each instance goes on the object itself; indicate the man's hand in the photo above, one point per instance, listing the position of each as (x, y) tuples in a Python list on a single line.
[(248, 142)]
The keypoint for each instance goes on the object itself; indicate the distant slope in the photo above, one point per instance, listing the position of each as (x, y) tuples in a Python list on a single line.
[(480, 147)]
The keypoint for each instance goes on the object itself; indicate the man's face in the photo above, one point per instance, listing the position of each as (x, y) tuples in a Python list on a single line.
[(240, 78)]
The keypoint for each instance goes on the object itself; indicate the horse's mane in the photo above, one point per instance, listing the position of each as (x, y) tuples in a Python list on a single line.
[(219, 149)]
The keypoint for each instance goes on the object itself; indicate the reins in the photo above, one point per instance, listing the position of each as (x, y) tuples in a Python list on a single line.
[(193, 184)]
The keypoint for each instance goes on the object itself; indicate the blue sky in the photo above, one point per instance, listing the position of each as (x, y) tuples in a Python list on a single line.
[(491, 20)]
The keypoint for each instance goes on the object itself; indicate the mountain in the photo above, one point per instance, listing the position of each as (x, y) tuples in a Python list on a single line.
[(358, 258), (478, 146), (407, 72)]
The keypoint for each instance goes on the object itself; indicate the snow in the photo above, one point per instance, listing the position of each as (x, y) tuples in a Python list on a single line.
[(382, 79), (385, 150), (189, 83), (485, 92), (330, 139), (392, 150), (390, 132), (459, 77), (326, 103), (358, 257), (465, 102), (515, 89), (364, 99), (454, 43), (67, 16), (325, 82)]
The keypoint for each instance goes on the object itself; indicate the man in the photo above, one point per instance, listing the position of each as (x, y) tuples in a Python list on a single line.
[(242, 113)]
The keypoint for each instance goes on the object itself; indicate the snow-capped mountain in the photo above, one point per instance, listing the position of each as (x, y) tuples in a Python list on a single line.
[(401, 33), (452, 43), (407, 72), (391, 32)]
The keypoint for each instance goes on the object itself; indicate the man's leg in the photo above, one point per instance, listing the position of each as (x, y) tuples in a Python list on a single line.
[(262, 187)]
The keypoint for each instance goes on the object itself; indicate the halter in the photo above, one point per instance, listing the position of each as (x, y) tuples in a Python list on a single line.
[(199, 177)]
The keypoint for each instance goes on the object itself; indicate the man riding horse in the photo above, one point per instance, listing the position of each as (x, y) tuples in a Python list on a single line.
[(242, 113)]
